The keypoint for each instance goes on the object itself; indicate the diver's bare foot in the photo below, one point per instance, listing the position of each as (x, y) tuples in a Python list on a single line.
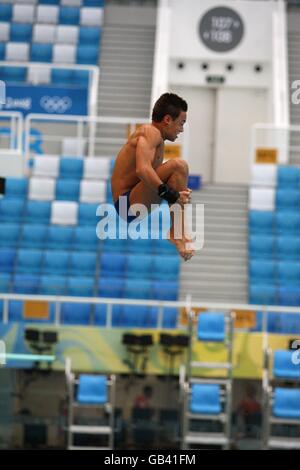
[(184, 247)]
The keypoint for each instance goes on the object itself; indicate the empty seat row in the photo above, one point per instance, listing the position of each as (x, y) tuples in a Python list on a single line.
[(280, 176), (267, 294), (48, 262), (49, 189), (42, 212), (268, 222), (86, 314), (279, 322), (49, 34), (66, 15), (273, 247), (81, 238), (56, 53), (72, 168), (282, 272), (85, 286)]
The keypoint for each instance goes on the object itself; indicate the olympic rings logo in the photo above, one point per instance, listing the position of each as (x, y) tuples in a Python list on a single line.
[(56, 104)]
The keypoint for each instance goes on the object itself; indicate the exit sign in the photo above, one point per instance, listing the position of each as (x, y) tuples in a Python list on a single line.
[(215, 79)]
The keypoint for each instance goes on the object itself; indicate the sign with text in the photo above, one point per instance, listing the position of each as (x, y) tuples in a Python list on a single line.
[(46, 100)]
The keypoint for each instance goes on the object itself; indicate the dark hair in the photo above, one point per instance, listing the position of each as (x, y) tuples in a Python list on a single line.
[(168, 103)]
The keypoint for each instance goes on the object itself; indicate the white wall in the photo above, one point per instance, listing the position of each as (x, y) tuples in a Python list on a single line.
[(237, 111)]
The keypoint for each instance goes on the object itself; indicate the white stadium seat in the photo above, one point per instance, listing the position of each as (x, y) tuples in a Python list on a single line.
[(17, 51), (23, 13), (64, 213), (67, 34), (4, 31), (38, 75), (64, 53), (44, 33), (262, 199), (42, 189), (92, 191), (91, 16), (46, 165), (47, 14), (264, 175), (71, 3), (96, 168)]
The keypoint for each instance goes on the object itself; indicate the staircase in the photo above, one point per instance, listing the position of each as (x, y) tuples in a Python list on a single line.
[(218, 273), (126, 63), (294, 74)]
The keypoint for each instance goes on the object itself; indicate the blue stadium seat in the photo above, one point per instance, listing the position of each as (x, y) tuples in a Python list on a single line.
[(89, 35), (273, 322), (82, 264), (163, 247), (205, 399), (25, 284), (71, 168), (111, 287), (288, 248), (262, 294), (80, 286), (288, 273), (61, 76), (5, 12), (112, 264), (5, 281), (283, 365), (100, 315), (114, 242), (29, 261), (87, 55), (13, 74), (288, 222), (11, 210), (85, 239), (93, 3), (16, 188), (261, 247), (75, 314), (87, 214), (52, 285), (33, 236), (139, 246), (289, 296), (134, 316), (170, 317), (41, 53), (49, 2), (2, 49), (288, 177), (80, 77), (166, 267), (92, 389), (289, 323), (211, 326), (56, 262), (9, 235), (164, 290), (67, 190), (139, 266), (15, 311), (262, 270), (20, 32), (69, 15), (261, 222), (59, 238), (286, 403), (287, 199), (137, 289), (7, 260), (37, 212)]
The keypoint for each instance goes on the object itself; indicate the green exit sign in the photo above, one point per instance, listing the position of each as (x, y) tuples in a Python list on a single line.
[(215, 79)]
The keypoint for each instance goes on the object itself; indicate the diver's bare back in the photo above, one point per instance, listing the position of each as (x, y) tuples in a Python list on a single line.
[(124, 176)]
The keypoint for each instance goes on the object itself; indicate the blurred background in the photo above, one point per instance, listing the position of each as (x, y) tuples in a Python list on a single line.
[(111, 342)]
